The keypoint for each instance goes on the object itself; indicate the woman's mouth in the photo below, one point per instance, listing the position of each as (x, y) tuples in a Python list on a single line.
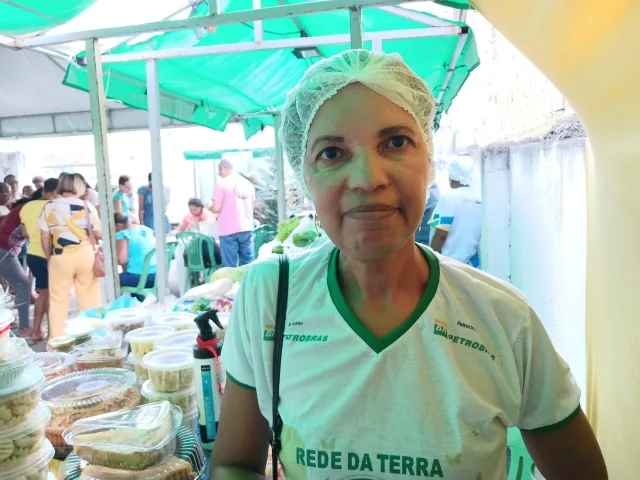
[(376, 211)]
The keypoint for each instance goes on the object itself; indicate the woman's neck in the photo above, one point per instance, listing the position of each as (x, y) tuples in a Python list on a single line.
[(69, 195), (407, 270)]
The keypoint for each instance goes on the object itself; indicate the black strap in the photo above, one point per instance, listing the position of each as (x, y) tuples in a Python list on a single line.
[(281, 316)]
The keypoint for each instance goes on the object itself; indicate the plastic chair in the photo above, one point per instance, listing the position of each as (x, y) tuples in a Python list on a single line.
[(262, 235), (141, 289), (521, 466), (194, 244)]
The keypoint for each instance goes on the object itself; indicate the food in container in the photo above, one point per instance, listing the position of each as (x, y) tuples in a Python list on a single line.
[(141, 340), (6, 319), (183, 339), (190, 420), (81, 332), (34, 466), (100, 352), (61, 344), (170, 369), (86, 394), (132, 439), (171, 468), (126, 319), (178, 320), (54, 364), (185, 399), (15, 356), (17, 443), (20, 398), (142, 374)]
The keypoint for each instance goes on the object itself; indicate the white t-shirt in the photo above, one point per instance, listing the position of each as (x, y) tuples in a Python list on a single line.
[(460, 213), (431, 399)]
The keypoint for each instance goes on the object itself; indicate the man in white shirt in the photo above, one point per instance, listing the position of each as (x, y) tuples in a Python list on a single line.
[(458, 216)]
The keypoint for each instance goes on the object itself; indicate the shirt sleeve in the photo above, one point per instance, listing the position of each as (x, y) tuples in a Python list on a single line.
[(185, 222), (444, 213), (237, 353), (122, 235), (550, 395)]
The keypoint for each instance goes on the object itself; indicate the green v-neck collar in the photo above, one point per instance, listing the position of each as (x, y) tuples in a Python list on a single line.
[(375, 343)]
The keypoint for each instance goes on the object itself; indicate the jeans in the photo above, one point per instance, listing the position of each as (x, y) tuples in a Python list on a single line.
[(128, 279), (236, 248), (11, 270)]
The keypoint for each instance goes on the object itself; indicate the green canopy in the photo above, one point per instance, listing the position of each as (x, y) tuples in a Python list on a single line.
[(214, 89), (20, 17), (460, 4), (218, 154)]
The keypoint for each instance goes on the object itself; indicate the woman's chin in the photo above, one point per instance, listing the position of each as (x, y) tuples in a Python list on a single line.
[(373, 246)]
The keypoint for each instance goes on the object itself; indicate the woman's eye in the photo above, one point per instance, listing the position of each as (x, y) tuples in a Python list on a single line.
[(330, 153), (397, 141)]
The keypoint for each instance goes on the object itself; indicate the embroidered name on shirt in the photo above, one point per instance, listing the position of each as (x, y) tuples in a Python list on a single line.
[(464, 325), (270, 334), (441, 328)]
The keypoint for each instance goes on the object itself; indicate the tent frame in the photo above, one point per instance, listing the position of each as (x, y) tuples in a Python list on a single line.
[(95, 61)]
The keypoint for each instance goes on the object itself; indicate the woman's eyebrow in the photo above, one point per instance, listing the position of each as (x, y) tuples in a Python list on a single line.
[(394, 130), (327, 138)]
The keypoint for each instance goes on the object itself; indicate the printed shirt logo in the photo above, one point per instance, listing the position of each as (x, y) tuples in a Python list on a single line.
[(441, 328), (269, 335)]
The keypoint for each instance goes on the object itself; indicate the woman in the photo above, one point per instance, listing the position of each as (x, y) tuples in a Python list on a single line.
[(397, 362), (145, 206), (66, 243), (121, 196), (133, 242), (197, 215), (10, 266)]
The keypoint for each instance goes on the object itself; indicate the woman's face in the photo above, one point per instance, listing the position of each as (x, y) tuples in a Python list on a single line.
[(195, 210), (366, 168)]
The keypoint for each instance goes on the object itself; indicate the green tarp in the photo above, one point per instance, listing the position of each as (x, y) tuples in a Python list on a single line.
[(210, 90), (460, 4), (218, 154), (19, 17)]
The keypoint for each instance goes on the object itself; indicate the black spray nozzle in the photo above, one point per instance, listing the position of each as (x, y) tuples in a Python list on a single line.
[(203, 321)]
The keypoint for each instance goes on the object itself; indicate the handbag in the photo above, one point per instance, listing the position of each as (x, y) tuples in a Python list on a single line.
[(281, 316), (98, 261)]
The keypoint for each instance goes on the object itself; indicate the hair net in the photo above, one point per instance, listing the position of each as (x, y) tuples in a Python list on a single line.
[(386, 74), (461, 169)]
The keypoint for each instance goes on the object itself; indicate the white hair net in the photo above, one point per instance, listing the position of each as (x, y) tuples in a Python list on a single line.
[(461, 169), (386, 74)]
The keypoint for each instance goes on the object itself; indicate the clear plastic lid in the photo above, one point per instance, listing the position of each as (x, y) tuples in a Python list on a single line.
[(78, 330), (101, 347), (31, 379), (131, 439), (86, 388), (127, 316), (36, 420), (52, 362), (183, 339), (177, 320), (148, 334), (168, 359), (14, 354), (31, 466), (132, 359), (61, 342)]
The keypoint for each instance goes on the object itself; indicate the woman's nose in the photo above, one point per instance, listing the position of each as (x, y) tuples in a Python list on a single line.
[(367, 171)]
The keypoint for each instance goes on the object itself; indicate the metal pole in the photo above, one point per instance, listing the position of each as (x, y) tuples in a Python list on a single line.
[(258, 30), (355, 27), (153, 105), (282, 199), (214, 7), (98, 101)]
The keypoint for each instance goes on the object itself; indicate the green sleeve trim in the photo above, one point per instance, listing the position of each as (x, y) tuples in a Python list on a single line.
[(240, 384), (556, 426)]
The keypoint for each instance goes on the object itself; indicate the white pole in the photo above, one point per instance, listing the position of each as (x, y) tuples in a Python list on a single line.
[(98, 101), (213, 7), (355, 27), (153, 105), (281, 196), (258, 31)]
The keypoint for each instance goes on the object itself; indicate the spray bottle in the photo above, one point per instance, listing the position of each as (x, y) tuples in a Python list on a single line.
[(209, 375)]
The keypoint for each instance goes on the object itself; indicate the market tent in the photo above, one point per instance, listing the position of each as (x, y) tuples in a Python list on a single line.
[(209, 90), (19, 17)]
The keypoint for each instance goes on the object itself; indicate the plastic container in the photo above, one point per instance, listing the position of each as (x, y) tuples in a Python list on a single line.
[(185, 399), (19, 442), (15, 356), (6, 319), (132, 439), (54, 364), (81, 332), (100, 352), (126, 319), (170, 369), (141, 340), (178, 320), (86, 394), (190, 420), (34, 466), (61, 344), (142, 374), (19, 399), (171, 468), (183, 339)]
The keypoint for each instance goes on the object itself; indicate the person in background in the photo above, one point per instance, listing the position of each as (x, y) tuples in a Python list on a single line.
[(90, 195), (197, 214), (233, 201), (424, 230), (145, 206), (64, 225), (5, 196), (133, 243), (27, 191), (15, 195), (121, 196), (36, 258), (38, 182), (10, 267), (458, 216)]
